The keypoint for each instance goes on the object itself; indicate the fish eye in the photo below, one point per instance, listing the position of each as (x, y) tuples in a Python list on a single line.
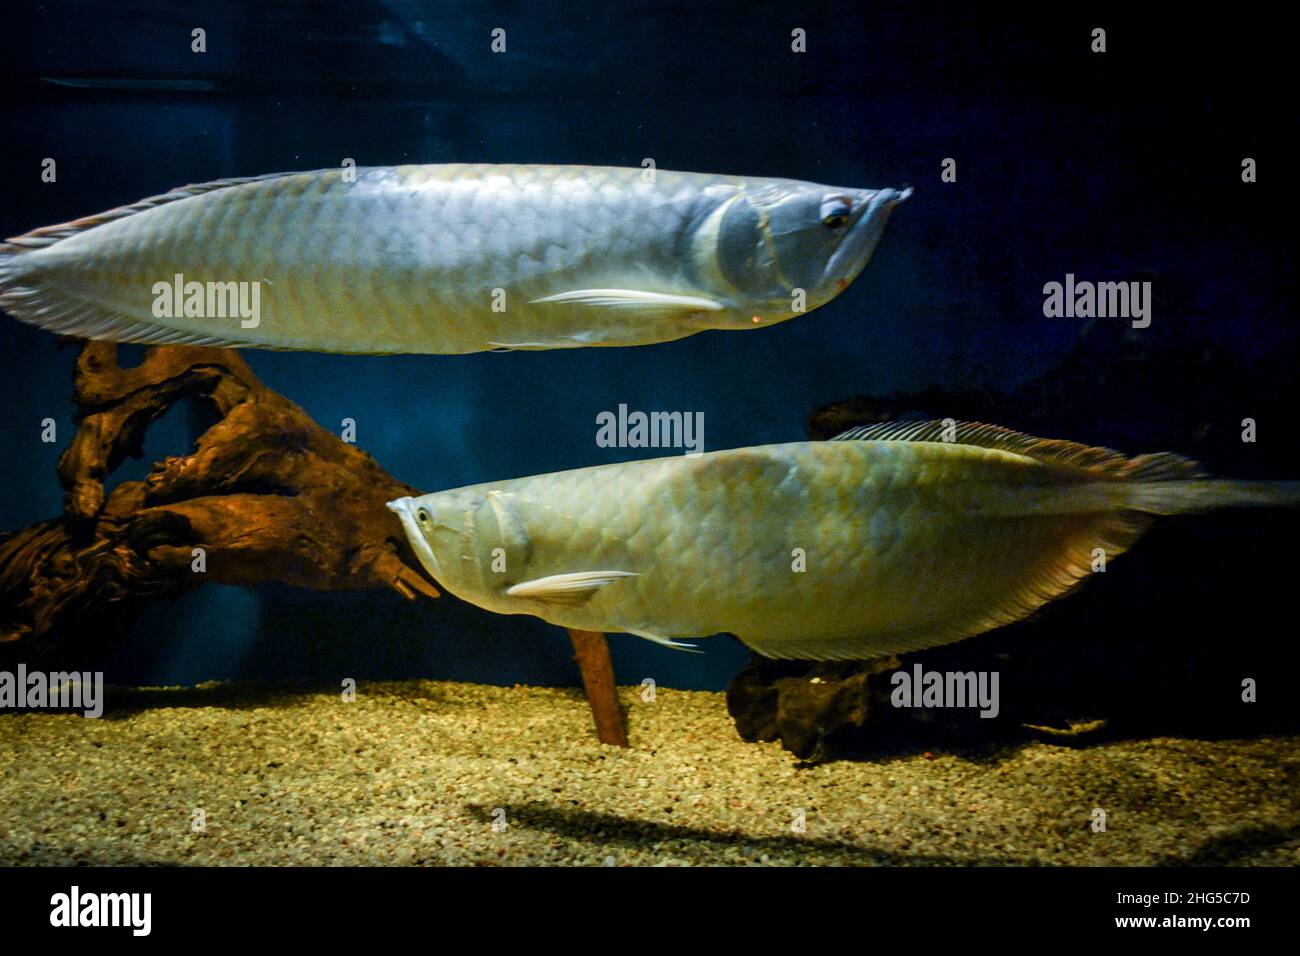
[(423, 515), (835, 213)]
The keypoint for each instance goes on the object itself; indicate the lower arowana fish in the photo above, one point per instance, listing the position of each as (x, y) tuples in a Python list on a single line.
[(889, 538), (452, 258)]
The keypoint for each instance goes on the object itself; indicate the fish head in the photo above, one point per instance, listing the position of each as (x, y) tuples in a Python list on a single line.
[(430, 527), (470, 540), (790, 246)]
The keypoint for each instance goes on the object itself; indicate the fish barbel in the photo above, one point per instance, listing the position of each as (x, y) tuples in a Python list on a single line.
[(448, 259), (889, 538)]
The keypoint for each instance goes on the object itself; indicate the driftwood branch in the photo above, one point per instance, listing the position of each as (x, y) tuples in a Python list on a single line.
[(591, 651), (266, 495)]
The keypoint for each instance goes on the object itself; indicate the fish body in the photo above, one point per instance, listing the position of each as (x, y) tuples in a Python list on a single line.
[(888, 539), (447, 259)]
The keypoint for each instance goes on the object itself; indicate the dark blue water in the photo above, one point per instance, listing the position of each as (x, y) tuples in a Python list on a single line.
[(1117, 166)]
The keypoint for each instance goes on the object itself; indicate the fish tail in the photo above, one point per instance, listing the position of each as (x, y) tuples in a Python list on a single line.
[(27, 297), (8, 251), (1169, 484), (17, 286), (31, 291), (1207, 494)]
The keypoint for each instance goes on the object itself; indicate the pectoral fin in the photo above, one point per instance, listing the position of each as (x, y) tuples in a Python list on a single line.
[(572, 588), (635, 299)]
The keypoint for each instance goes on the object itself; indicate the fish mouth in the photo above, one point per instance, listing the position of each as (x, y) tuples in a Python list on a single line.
[(404, 508), (860, 242)]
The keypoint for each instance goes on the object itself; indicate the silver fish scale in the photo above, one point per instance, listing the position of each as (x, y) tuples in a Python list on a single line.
[(897, 537), (402, 259), (443, 259), (711, 539)]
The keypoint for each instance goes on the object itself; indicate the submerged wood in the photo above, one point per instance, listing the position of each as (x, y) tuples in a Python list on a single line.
[(266, 495), (591, 651)]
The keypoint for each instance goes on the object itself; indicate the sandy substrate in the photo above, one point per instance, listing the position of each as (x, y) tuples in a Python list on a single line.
[(438, 773)]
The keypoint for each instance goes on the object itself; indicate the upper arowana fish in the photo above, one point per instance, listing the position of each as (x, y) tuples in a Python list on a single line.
[(450, 259), (889, 538)]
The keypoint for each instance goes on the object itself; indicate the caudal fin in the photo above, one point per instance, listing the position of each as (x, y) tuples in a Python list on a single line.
[(1207, 494), (28, 295), (33, 290)]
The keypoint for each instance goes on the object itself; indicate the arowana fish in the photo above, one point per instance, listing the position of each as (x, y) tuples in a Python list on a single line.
[(453, 258), (889, 538)]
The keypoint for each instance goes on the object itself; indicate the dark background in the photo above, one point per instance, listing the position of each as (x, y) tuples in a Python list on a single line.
[(1119, 166)]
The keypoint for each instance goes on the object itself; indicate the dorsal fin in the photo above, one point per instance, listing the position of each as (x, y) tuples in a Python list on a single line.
[(48, 235), (1104, 462)]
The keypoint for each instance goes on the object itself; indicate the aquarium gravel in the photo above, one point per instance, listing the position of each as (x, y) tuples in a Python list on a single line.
[(426, 772)]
